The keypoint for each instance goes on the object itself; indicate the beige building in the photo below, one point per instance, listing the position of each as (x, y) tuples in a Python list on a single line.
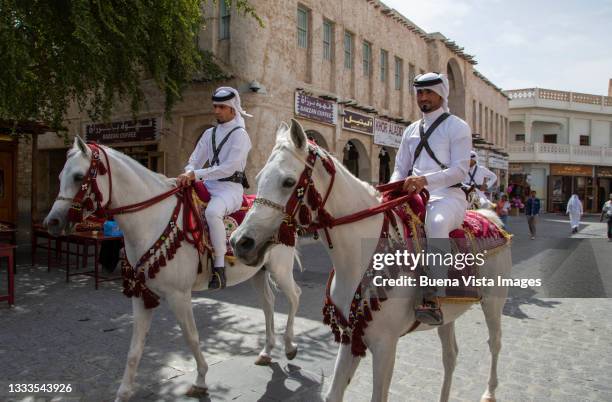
[(344, 68), (560, 144)]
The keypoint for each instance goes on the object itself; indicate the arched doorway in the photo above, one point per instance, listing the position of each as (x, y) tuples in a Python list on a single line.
[(456, 96), (317, 138), (385, 165), (355, 158)]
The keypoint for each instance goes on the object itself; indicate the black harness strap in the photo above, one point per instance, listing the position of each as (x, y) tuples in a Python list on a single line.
[(472, 175), (215, 158), (425, 136)]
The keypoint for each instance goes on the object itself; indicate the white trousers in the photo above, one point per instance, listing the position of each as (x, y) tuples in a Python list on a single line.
[(215, 211), (444, 214)]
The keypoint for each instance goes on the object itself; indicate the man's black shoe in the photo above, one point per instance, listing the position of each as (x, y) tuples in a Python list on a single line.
[(217, 280)]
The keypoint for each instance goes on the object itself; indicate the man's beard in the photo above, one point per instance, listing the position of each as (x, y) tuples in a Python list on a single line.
[(425, 108)]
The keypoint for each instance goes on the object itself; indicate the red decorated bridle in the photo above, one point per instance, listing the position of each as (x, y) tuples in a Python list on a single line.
[(306, 198), (89, 197)]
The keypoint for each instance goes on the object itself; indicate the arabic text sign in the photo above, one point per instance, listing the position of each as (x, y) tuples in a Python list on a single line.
[(123, 131), (358, 122), (388, 133), (315, 108)]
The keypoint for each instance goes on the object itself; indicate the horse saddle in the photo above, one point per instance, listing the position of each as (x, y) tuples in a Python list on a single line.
[(231, 221), (476, 235)]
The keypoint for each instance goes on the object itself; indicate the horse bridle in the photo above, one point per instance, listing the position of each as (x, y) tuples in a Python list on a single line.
[(89, 197), (304, 200)]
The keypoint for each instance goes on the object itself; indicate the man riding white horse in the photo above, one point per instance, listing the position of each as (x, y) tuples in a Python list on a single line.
[(225, 147), (480, 177), (447, 141)]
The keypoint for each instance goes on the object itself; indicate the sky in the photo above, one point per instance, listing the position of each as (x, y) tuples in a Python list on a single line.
[(564, 45)]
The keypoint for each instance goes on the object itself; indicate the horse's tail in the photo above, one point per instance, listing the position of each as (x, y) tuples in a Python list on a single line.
[(491, 215)]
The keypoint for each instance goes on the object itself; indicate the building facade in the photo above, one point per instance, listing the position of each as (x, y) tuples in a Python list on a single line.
[(561, 144), (343, 68)]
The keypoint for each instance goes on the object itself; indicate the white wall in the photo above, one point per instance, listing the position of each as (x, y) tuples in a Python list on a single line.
[(540, 128), (581, 127), (600, 134)]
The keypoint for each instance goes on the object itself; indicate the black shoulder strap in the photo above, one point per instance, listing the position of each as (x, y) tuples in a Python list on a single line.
[(425, 136), (473, 174), (215, 158)]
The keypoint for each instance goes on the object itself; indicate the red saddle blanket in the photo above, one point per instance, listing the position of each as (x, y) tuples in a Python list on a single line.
[(232, 221), (477, 235)]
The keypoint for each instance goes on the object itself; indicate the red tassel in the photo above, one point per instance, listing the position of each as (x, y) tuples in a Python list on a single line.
[(374, 304), (345, 338), (162, 261), (304, 215), (286, 234), (314, 198), (75, 215), (336, 332), (180, 235), (367, 314), (101, 169), (151, 300), (88, 204)]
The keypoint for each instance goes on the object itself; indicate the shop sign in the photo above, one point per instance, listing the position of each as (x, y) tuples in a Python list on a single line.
[(604, 171), (516, 168), (358, 122), (571, 170), (317, 109), (123, 131), (388, 133), (496, 162)]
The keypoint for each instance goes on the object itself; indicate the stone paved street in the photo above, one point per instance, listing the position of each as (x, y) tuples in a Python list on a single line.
[(554, 349)]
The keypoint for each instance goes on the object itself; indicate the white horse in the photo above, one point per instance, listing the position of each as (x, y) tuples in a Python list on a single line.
[(275, 184), (132, 183)]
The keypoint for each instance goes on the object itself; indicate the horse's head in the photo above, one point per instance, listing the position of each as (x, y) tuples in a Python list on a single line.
[(80, 194), (276, 183)]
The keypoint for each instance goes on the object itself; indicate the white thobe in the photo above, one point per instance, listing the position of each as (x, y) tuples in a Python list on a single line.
[(480, 174), (451, 142), (232, 158), (226, 196), (574, 209)]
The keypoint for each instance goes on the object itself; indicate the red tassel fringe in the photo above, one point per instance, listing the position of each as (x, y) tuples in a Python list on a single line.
[(286, 234)]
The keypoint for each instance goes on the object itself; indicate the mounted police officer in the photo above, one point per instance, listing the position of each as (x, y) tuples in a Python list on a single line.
[(479, 176), (225, 147), (434, 154)]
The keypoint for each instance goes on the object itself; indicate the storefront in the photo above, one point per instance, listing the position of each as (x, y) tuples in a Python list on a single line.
[(518, 186), (603, 185), (565, 180)]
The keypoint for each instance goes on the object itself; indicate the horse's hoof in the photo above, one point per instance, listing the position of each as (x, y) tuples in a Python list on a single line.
[(291, 355), (196, 392), (263, 360), (488, 399)]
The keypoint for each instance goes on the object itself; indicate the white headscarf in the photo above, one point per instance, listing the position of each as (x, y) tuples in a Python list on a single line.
[(233, 102), (435, 82), (574, 205)]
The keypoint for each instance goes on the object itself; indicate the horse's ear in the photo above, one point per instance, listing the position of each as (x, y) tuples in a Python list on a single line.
[(81, 145), (298, 136), (282, 130)]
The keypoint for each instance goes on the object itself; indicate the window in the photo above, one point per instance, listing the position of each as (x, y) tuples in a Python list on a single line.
[(328, 30), (411, 74), (384, 64), (519, 137), (585, 140), (398, 73), (367, 58), (302, 27), (550, 138), (224, 20), (348, 50)]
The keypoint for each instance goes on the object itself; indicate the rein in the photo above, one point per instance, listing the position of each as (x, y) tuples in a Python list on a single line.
[(306, 198)]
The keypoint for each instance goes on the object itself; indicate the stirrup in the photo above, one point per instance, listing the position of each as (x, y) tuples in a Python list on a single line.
[(429, 313), (217, 280)]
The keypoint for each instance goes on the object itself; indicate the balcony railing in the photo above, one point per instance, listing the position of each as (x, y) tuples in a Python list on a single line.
[(561, 96), (560, 153)]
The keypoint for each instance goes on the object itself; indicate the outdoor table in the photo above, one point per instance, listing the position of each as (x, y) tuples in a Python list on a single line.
[(38, 231), (8, 251), (95, 239)]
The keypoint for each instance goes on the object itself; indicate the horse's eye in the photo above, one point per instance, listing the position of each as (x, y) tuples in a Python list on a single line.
[(289, 182), (78, 177)]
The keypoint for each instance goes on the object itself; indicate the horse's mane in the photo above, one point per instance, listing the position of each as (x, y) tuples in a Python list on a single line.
[(340, 169), (139, 168)]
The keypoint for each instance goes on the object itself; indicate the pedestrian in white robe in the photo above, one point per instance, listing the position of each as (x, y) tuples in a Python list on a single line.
[(574, 209)]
